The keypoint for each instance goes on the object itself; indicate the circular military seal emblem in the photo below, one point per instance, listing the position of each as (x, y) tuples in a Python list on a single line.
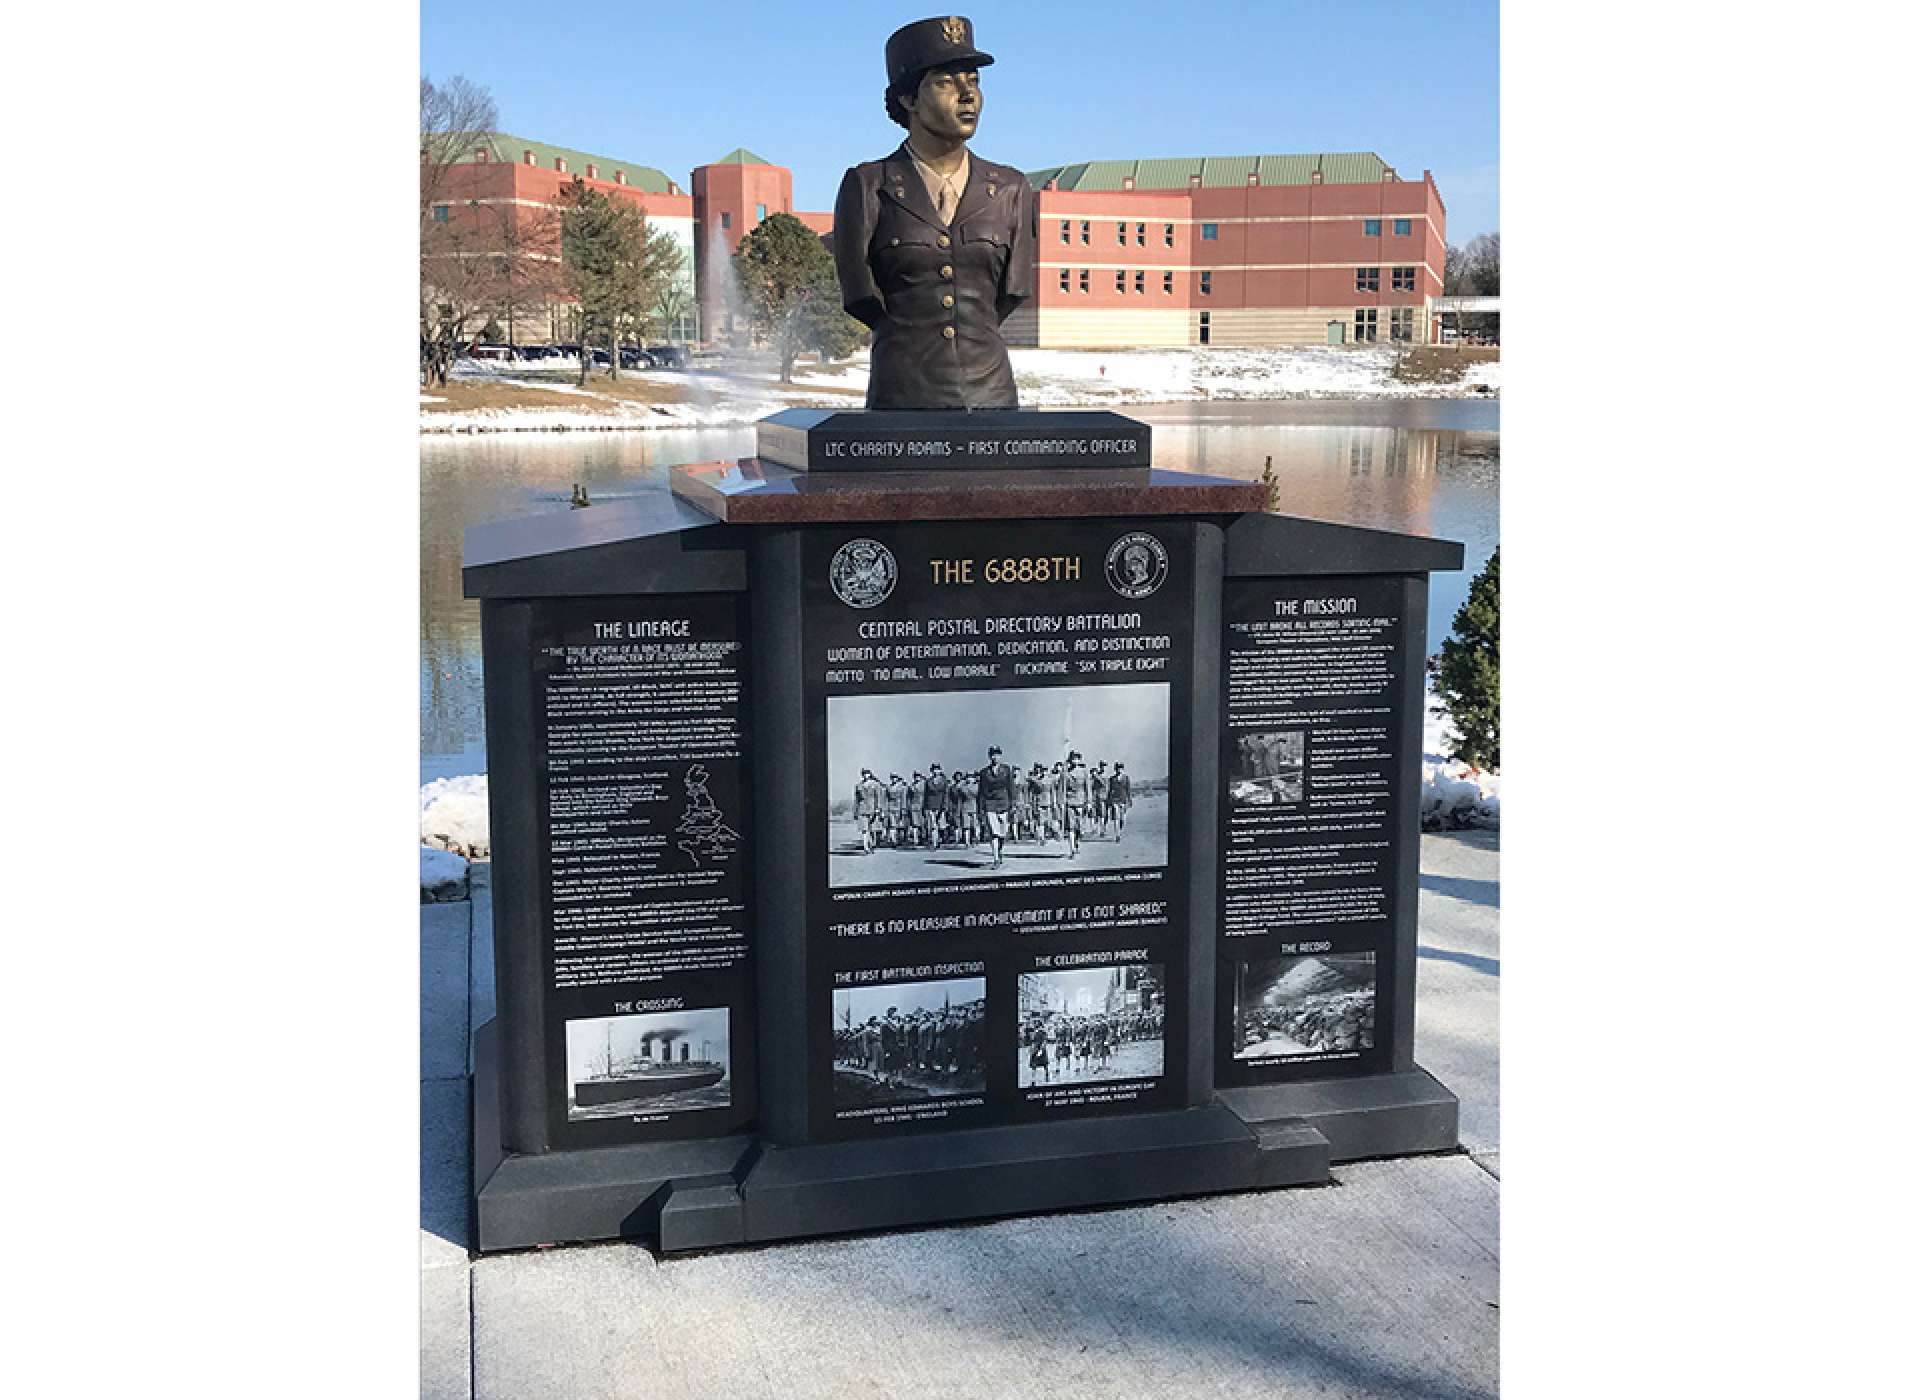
[(863, 573), (1136, 565)]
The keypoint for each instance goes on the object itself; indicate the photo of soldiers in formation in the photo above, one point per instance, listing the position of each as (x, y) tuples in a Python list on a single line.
[(988, 813), (1269, 769), (1307, 1005), (1092, 1023), (909, 1040)]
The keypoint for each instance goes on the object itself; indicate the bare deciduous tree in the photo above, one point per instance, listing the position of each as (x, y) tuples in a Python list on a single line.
[(459, 270)]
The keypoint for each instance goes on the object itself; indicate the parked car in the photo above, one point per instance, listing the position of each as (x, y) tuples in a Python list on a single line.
[(669, 356), (492, 352), (632, 357)]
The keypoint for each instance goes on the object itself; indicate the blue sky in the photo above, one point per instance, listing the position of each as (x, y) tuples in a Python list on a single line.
[(680, 86)]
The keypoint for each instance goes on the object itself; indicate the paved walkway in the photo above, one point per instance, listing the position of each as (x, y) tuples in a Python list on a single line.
[(1384, 1283)]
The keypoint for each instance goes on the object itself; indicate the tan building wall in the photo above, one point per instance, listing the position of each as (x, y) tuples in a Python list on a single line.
[(1097, 328)]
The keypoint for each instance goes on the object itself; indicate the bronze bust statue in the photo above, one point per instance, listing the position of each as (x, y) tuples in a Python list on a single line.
[(935, 246)]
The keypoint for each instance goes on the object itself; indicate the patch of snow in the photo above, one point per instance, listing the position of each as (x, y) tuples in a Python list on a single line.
[(1453, 793), (453, 815), (443, 875), (746, 389)]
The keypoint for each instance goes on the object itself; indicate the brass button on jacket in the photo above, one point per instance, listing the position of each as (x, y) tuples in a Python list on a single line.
[(935, 293)]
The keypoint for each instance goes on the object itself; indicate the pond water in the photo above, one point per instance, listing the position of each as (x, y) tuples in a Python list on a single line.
[(1425, 467)]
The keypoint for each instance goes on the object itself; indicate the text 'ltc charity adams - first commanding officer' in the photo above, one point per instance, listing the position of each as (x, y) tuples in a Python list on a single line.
[(935, 247)]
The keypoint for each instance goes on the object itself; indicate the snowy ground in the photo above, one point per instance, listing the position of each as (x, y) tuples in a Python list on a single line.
[(1452, 793), (453, 811), (746, 392)]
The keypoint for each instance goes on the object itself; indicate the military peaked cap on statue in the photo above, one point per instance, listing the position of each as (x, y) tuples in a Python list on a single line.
[(932, 43)]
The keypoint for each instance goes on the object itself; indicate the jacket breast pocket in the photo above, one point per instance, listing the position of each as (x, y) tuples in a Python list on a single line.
[(985, 244)]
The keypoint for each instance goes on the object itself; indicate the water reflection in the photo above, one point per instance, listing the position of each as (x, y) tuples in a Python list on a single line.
[(1429, 467)]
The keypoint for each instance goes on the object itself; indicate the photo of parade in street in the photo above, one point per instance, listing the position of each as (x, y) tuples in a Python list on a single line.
[(968, 785), (669, 1062), (904, 1041), (1269, 769), (1308, 1005), (1092, 1023)]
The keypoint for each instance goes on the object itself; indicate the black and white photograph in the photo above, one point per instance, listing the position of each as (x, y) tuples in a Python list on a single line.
[(1315, 1004), (903, 1041), (1092, 1023), (970, 785), (1269, 768), (664, 1062)]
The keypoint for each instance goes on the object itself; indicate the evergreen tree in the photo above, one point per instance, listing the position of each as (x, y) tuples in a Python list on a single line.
[(792, 292), (612, 260), (1467, 671)]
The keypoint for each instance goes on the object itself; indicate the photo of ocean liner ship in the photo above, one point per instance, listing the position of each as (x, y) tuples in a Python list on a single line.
[(648, 1064)]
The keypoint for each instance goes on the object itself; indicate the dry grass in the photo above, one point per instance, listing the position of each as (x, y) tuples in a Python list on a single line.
[(1441, 364), (602, 395)]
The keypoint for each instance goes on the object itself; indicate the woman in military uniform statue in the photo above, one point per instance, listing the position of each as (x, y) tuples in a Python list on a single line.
[(935, 247)]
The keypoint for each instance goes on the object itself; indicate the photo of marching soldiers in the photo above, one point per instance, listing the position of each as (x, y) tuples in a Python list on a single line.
[(909, 1040), (967, 785), (1269, 769), (1311, 1005), (669, 1062), (1092, 1023)]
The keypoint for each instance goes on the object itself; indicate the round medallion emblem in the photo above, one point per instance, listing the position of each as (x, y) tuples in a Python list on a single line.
[(1136, 565), (863, 573)]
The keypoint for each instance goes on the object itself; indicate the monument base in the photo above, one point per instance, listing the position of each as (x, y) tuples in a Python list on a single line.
[(1375, 1115), (713, 1193)]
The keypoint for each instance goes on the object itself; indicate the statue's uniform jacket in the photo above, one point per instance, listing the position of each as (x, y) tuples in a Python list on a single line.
[(935, 294)]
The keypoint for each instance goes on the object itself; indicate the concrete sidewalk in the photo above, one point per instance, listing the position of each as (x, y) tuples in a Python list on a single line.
[(1384, 1283)]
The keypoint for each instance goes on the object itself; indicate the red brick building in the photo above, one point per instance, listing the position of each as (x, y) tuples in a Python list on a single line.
[(730, 198), (1215, 250), (1235, 250), (498, 204)]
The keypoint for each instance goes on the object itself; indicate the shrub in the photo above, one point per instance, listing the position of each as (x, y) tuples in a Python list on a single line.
[(1467, 670)]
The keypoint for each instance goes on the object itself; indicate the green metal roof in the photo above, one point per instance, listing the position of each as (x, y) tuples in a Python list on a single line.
[(1215, 172), (740, 155), (513, 149)]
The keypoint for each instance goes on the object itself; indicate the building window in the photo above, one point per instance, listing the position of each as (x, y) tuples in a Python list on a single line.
[(1366, 324), (1209, 233), (726, 219), (527, 157), (620, 178), (1140, 283), (1120, 281), (1086, 231), (1140, 234), (1066, 280), (1403, 279), (1402, 227), (1083, 279), (1206, 327), (1066, 230), (1120, 232), (1402, 322), (481, 155), (1166, 283), (593, 172), (560, 164), (1366, 279), (1370, 227), (439, 213), (759, 213), (1169, 235), (1206, 284)]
